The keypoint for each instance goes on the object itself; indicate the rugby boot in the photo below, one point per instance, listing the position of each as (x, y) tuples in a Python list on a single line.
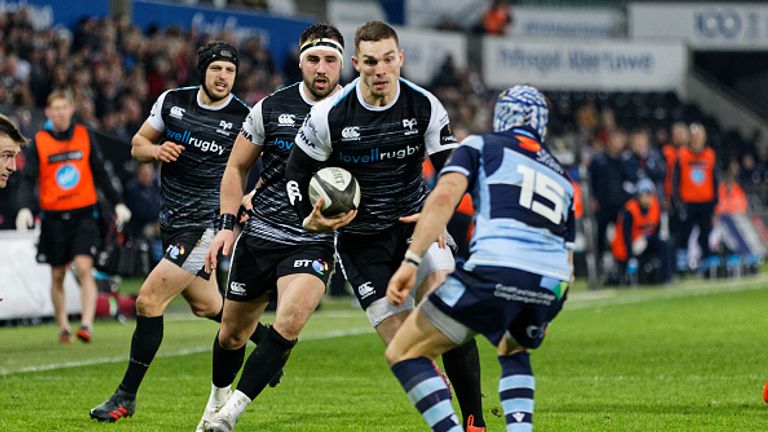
[(84, 334), (121, 404), (218, 398), (65, 337), (471, 425), (765, 392)]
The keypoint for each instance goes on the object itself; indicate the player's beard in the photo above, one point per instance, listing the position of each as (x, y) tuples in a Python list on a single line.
[(213, 97), (320, 94)]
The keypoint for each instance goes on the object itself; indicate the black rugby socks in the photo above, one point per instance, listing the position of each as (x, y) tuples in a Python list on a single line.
[(144, 345)]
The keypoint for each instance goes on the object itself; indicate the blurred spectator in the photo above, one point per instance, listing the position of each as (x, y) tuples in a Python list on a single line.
[(607, 179), (643, 161), (694, 193), (681, 136), (731, 196), (496, 18), (142, 196), (639, 251)]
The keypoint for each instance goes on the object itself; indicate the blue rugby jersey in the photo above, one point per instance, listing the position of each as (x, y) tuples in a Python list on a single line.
[(523, 202)]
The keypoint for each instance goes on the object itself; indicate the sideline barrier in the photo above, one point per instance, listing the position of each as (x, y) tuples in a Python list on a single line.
[(26, 285)]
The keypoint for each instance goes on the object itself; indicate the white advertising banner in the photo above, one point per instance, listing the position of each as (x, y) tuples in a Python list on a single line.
[(425, 51), (354, 11), (566, 23), (597, 65), (428, 13), (705, 26), (26, 285)]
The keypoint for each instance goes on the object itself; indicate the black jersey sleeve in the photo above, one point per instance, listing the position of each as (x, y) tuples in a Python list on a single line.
[(298, 172)]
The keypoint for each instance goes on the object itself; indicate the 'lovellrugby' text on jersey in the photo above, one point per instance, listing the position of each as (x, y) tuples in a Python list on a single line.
[(273, 124), (382, 146), (523, 200), (190, 186)]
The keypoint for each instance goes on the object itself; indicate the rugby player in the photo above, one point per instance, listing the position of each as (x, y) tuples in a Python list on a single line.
[(11, 141)]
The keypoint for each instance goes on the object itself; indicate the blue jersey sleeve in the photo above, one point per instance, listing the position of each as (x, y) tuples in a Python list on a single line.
[(465, 160)]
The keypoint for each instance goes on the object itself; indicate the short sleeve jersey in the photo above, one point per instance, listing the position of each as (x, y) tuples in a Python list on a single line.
[(523, 201), (272, 124), (382, 146), (189, 192)]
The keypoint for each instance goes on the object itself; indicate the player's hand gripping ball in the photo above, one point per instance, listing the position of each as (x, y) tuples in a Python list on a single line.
[(338, 189)]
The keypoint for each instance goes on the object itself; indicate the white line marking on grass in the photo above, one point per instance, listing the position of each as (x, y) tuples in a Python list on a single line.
[(580, 301), (178, 353)]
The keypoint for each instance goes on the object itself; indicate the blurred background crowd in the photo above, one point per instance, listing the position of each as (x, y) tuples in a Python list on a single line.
[(609, 140)]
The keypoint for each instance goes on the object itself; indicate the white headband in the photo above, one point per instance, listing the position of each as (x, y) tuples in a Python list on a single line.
[(314, 45)]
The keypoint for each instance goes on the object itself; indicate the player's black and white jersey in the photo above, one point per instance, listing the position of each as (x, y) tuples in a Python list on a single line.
[(189, 192), (273, 123), (382, 146)]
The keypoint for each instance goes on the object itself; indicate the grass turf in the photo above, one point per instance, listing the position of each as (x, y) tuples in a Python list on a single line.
[(684, 358)]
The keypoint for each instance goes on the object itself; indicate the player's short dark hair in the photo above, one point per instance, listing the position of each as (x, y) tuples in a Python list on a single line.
[(8, 128), (373, 31), (321, 31)]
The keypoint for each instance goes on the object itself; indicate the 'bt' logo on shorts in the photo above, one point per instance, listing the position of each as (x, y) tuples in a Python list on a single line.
[(301, 263), (365, 289)]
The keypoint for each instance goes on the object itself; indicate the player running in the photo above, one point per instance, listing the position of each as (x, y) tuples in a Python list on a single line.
[(518, 272), (274, 255), (191, 131), (379, 128)]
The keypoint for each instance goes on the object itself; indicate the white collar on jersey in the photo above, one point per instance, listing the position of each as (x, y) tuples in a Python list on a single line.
[(370, 107), (201, 104)]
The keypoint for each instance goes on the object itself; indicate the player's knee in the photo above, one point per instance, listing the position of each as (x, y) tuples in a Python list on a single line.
[(289, 327), (393, 354), (230, 340), (204, 310), (148, 304)]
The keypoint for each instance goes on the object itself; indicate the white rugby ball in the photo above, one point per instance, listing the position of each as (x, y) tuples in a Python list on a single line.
[(337, 187)]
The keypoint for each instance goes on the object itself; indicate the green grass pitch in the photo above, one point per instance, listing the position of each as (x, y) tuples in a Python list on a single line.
[(692, 357)]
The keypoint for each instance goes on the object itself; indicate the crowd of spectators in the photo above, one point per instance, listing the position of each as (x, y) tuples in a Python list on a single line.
[(115, 71)]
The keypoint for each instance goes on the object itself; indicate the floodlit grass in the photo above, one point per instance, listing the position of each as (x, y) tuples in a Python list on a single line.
[(686, 358)]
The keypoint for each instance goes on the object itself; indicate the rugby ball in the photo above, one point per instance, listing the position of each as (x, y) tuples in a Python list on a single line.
[(338, 189)]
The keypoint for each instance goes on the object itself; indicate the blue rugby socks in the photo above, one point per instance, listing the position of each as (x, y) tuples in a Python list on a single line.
[(516, 391), (428, 393)]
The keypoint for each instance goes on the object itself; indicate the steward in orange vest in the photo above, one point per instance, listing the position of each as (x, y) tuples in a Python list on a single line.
[(68, 169), (694, 192), (636, 245)]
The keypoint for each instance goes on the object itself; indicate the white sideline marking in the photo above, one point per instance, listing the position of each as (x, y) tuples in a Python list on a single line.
[(578, 301), (177, 353)]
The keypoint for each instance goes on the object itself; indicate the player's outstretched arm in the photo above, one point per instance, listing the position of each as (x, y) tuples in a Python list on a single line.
[(431, 223)]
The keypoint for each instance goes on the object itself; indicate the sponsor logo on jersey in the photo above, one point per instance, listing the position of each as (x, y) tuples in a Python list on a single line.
[(294, 193), (237, 288), (186, 138), (225, 128), (447, 136), (547, 159), (377, 155), (365, 289), (410, 124), (283, 144), (350, 133), (177, 112), (286, 120), (301, 263), (320, 267), (174, 251)]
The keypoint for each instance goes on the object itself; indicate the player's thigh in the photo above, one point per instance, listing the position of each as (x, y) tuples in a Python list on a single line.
[(239, 320), (162, 285), (203, 296), (297, 297), (417, 337)]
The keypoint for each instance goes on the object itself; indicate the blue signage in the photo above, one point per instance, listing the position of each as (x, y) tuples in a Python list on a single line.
[(278, 34), (46, 13)]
